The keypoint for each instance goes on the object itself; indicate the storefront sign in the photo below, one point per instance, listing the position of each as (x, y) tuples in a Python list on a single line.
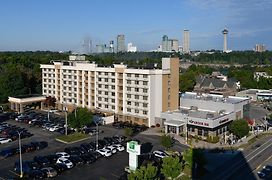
[(199, 123)]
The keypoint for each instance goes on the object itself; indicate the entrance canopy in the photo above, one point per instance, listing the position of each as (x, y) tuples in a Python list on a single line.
[(17, 103), (175, 123)]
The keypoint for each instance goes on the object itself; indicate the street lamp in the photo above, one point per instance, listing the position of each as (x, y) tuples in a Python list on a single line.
[(20, 151), (96, 123)]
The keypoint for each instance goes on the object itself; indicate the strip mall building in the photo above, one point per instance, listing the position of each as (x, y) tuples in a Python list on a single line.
[(205, 115)]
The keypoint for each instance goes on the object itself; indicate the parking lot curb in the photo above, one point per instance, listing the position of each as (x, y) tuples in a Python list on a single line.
[(72, 141)]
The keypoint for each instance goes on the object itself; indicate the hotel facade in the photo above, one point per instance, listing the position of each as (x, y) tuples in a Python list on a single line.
[(134, 95)]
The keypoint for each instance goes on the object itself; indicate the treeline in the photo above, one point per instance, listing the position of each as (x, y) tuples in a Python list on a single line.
[(236, 57)]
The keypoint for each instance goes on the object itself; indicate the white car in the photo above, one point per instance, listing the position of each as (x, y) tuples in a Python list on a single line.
[(65, 161), (160, 154), (62, 154), (119, 147), (53, 128), (112, 149), (4, 140), (104, 152)]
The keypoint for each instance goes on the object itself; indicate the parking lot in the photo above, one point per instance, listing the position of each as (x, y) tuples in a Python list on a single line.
[(107, 168)]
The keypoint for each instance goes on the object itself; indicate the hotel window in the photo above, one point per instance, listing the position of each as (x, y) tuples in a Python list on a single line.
[(106, 99), (128, 110), (113, 100), (69, 76), (136, 75), (137, 82), (136, 89), (137, 111), (75, 77), (128, 88), (129, 103), (136, 96), (106, 106), (99, 98), (145, 90), (128, 75), (145, 112), (136, 104), (144, 97), (106, 86), (99, 73), (106, 93), (144, 75), (106, 73), (113, 80), (128, 81), (99, 92), (128, 95), (99, 105), (113, 94), (144, 82), (112, 107), (99, 79), (113, 74), (106, 80), (112, 87), (144, 104)]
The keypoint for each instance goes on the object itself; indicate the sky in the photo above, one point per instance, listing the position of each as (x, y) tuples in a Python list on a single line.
[(61, 25)]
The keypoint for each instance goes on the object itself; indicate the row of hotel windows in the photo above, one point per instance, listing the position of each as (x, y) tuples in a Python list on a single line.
[(137, 111), (106, 106), (106, 80), (138, 75), (137, 82), (49, 80), (106, 99), (137, 96), (106, 93), (137, 89), (106, 86), (136, 104)]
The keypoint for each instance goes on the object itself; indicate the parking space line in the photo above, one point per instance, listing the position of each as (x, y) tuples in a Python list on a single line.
[(13, 172)]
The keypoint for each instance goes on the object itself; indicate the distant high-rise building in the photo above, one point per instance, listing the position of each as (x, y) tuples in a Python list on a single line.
[(121, 43), (260, 48), (174, 45), (100, 48), (86, 46), (225, 33), (186, 41), (112, 46), (131, 48), (165, 43)]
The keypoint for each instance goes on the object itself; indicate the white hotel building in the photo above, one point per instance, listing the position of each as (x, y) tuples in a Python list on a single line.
[(134, 95)]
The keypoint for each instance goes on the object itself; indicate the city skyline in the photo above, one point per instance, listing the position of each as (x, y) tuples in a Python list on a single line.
[(62, 25)]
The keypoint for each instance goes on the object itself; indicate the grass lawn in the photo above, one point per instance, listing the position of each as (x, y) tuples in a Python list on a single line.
[(72, 137)]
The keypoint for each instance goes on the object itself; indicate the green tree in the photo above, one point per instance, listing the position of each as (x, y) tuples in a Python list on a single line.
[(171, 167), (83, 117), (128, 132), (239, 128), (148, 172), (167, 141)]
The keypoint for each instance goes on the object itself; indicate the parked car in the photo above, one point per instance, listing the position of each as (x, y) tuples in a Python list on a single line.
[(65, 161), (50, 172), (112, 149), (104, 152), (42, 160), (5, 140), (76, 160), (62, 154), (119, 147), (160, 154)]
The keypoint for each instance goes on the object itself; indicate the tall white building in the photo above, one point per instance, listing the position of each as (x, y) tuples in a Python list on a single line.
[(225, 33), (259, 48), (121, 43), (186, 41), (131, 48), (134, 95)]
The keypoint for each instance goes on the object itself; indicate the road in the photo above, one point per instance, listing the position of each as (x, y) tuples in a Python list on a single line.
[(244, 165)]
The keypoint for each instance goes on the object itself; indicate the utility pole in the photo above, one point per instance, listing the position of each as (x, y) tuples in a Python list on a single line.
[(96, 123), (20, 151), (66, 124)]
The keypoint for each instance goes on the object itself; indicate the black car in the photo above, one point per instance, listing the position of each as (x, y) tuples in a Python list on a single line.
[(40, 145), (96, 154), (33, 165), (36, 174), (43, 161), (76, 160), (87, 147), (52, 158), (88, 158), (59, 167), (6, 153), (72, 151)]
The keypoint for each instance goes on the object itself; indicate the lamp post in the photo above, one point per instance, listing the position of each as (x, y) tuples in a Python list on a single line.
[(96, 123), (66, 124), (20, 151)]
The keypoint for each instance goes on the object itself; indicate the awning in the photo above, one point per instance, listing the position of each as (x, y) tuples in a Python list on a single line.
[(174, 123)]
